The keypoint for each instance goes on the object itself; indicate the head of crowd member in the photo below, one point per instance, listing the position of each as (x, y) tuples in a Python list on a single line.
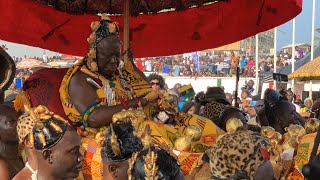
[(215, 94), (238, 155), (57, 146), (229, 98), (308, 103), (189, 107), (156, 81), (289, 95), (154, 163), (250, 84), (119, 145), (279, 111)]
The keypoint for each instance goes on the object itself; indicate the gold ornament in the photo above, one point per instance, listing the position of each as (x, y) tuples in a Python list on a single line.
[(290, 143), (131, 163), (55, 127), (311, 125), (194, 132), (112, 27), (295, 131), (94, 66), (150, 166), (104, 16), (233, 124), (114, 142), (42, 139), (183, 143), (144, 133), (95, 25), (91, 39), (100, 137), (92, 53)]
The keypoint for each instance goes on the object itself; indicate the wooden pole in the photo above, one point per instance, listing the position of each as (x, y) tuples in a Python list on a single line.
[(236, 104), (126, 34)]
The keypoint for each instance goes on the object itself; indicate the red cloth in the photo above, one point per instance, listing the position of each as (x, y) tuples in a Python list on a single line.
[(28, 22), (43, 89)]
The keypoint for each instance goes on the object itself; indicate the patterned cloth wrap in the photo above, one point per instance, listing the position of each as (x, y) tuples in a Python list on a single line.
[(302, 157)]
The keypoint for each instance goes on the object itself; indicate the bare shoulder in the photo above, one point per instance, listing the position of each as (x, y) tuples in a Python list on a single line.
[(23, 174), (4, 170)]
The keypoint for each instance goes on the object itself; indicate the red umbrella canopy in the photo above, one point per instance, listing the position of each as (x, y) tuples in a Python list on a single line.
[(156, 34)]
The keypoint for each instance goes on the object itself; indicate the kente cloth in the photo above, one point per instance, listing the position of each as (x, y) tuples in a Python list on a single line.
[(302, 157), (188, 161), (92, 163), (163, 133), (43, 89), (134, 80)]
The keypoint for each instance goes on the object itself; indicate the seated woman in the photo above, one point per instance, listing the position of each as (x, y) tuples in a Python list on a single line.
[(10, 161)]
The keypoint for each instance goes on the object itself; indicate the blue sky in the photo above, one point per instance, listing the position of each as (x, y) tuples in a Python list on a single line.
[(303, 33), (303, 26)]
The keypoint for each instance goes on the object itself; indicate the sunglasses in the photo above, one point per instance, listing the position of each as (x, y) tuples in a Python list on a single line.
[(153, 83)]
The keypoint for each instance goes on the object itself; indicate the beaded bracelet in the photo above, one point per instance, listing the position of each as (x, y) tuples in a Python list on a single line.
[(88, 111)]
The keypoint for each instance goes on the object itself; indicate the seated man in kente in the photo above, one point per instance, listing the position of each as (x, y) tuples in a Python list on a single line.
[(100, 85)]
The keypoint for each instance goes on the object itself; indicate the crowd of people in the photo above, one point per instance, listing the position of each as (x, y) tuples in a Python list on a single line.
[(104, 119), (209, 65)]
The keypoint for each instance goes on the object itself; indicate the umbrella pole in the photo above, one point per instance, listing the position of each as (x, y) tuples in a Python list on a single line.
[(126, 29), (312, 39)]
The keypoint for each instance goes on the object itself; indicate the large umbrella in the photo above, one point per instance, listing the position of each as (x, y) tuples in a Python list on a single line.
[(179, 30), (310, 71)]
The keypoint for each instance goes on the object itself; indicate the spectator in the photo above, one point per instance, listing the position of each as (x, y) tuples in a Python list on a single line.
[(139, 64), (148, 65), (243, 65), (251, 90), (189, 107), (176, 70), (165, 69), (156, 81), (226, 65)]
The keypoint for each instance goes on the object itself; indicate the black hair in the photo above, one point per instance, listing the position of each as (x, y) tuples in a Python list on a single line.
[(272, 101), (187, 105), (158, 77), (167, 165), (128, 142)]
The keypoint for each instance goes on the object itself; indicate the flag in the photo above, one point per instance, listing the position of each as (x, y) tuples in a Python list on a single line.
[(186, 91)]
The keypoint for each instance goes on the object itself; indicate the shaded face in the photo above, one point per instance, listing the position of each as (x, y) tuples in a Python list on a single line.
[(8, 123), (115, 170), (289, 96), (250, 84), (286, 115), (155, 84), (229, 98), (191, 110), (108, 55), (66, 156), (259, 107)]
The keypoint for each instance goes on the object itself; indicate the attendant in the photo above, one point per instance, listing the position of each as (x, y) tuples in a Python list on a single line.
[(121, 142), (279, 111), (154, 163), (57, 147), (10, 162)]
